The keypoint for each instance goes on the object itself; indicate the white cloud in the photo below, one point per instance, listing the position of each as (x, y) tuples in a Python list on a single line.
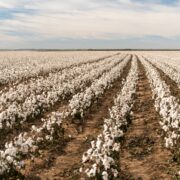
[(101, 19)]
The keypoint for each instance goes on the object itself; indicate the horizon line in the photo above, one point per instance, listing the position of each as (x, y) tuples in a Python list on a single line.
[(92, 49)]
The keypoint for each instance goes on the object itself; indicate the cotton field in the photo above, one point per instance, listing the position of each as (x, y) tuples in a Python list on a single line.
[(89, 115)]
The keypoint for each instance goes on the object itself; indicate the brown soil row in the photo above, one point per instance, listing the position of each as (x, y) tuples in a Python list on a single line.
[(65, 164), (143, 155)]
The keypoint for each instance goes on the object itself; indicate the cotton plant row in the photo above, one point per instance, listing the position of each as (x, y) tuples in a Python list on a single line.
[(17, 66), (166, 104), (47, 97), (83, 100), (101, 159), (167, 69), (28, 143)]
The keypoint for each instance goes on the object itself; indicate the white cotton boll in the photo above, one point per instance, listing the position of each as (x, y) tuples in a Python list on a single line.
[(106, 127), (175, 115), (70, 136), (39, 139), (11, 151), (43, 120), (48, 126), (66, 114), (6, 145), (85, 158), (107, 162), (92, 172), (104, 175), (3, 167), (34, 128), (98, 143), (9, 159), (81, 170), (47, 137), (25, 134), (168, 142), (110, 142), (89, 151), (51, 138), (29, 142), (165, 128), (74, 111), (131, 113), (93, 144), (175, 124), (39, 130), (174, 135), (115, 172), (116, 147)]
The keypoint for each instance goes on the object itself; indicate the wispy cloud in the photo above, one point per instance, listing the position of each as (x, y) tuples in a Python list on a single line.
[(25, 23)]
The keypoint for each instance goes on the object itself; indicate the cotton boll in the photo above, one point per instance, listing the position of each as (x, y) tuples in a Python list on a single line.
[(9, 159), (93, 144), (116, 147), (99, 142), (47, 137), (115, 172), (110, 142), (104, 175), (85, 157), (34, 128), (92, 172), (81, 170), (107, 162)]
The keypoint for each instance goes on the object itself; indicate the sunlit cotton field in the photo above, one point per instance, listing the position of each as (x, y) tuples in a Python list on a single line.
[(90, 115), (89, 90)]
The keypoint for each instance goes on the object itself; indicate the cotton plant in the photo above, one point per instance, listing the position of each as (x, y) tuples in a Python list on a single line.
[(24, 144), (10, 157)]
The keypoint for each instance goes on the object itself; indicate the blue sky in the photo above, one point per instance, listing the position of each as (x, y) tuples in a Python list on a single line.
[(89, 24)]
